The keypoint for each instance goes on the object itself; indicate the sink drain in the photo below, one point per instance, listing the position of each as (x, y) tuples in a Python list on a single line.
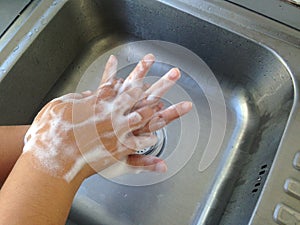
[(158, 147)]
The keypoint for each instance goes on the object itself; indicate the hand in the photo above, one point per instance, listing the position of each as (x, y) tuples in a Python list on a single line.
[(160, 118), (88, 132)]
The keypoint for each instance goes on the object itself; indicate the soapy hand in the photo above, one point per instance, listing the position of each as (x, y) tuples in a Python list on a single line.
[(90, 131)]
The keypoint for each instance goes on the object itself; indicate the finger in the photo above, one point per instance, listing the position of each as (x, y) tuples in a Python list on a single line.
[(110, 70), (140, 117), (162, 118), (147, 163), (143, 102), (119, 84), (158, 107), (142, 68), (126, 100), (135, 120), (153, 93), (159, 122), (175, 111), (135, 78), (159, 88), (136, 143), (146, 86), (155, 124), (105, 93), (146, 102), (133, 165), (168, 115), (86, 93)]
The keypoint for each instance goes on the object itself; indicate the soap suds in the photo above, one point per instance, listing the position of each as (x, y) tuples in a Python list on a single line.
[(92, 127), (77, 115), (93, 156)]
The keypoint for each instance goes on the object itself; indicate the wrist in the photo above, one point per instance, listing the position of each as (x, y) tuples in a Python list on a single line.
[(56, 175), (47, 198)]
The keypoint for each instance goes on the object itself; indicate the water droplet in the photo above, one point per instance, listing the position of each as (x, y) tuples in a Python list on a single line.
[(3, 70), (54, 2), (209, 8), (36, 29), (29, 34), (125, 195), (259, 178), (16, 48)]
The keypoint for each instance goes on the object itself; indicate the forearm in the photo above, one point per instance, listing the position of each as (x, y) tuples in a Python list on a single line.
[(77, 135), (11, 145), (31, 196)]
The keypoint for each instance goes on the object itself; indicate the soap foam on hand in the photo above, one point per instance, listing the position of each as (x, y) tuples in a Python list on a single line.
[(47, 144), (63, 140)]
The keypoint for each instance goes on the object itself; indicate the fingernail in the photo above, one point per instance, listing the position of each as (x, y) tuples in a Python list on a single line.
[(174, 74), (111, 57), (135, 117), (149, 58), (187, 106), (161, 167)]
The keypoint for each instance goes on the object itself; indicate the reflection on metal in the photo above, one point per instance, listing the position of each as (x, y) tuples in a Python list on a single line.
[(9, 11), (296, 2), (255, 60), (279, 10)]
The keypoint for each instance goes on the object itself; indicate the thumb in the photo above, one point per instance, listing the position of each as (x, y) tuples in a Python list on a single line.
[(134, 164), (147, 163)]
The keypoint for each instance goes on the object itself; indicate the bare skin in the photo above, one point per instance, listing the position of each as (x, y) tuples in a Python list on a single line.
[(11, 146), (32, 195)]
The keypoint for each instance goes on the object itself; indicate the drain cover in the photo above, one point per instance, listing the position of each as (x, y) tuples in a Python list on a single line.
[(158, 147)]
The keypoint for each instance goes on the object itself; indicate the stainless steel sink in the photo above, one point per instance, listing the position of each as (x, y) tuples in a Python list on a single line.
[(255, 60)]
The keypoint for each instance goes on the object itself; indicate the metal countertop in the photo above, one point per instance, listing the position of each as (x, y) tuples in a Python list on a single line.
[(9, 11)]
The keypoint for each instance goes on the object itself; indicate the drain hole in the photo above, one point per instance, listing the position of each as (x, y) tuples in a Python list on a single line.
[(262, 172), (259, 179), (156, 149), (264, 166)]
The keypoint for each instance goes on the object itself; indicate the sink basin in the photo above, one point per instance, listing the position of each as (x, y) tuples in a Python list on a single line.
[(253, 59)]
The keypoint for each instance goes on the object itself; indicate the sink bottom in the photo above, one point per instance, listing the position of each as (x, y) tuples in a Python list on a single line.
[(253, 81), (238, 150)]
